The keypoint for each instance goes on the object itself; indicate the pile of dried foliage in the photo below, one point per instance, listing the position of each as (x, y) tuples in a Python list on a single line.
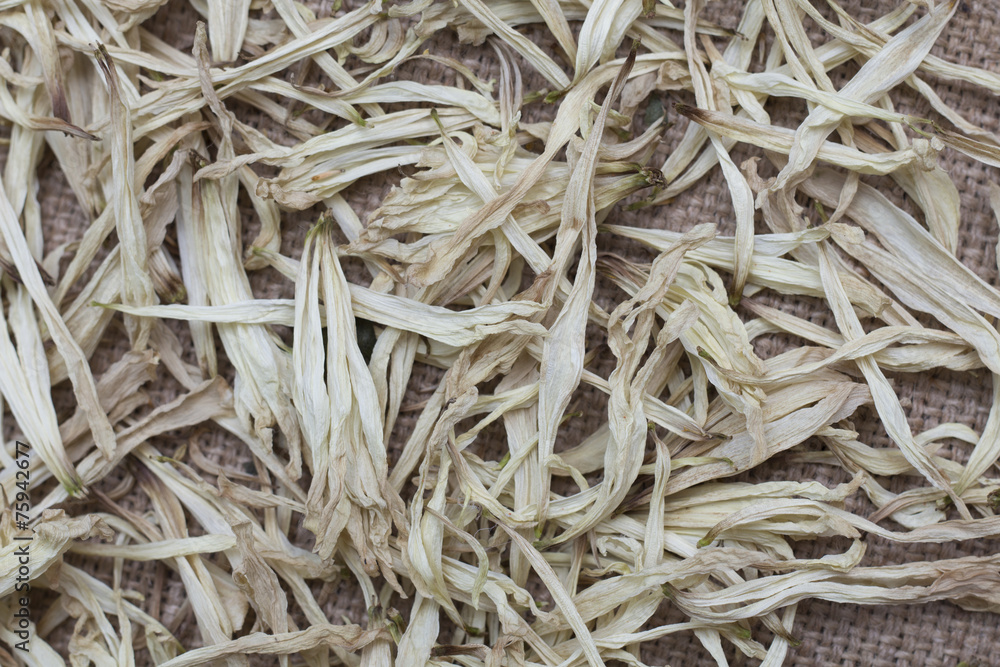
[(485, 530)]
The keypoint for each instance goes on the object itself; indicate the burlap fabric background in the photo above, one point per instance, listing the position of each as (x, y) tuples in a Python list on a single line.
[(933, 634)]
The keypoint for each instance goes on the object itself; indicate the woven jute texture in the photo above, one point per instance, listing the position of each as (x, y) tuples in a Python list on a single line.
[(936, 634)]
